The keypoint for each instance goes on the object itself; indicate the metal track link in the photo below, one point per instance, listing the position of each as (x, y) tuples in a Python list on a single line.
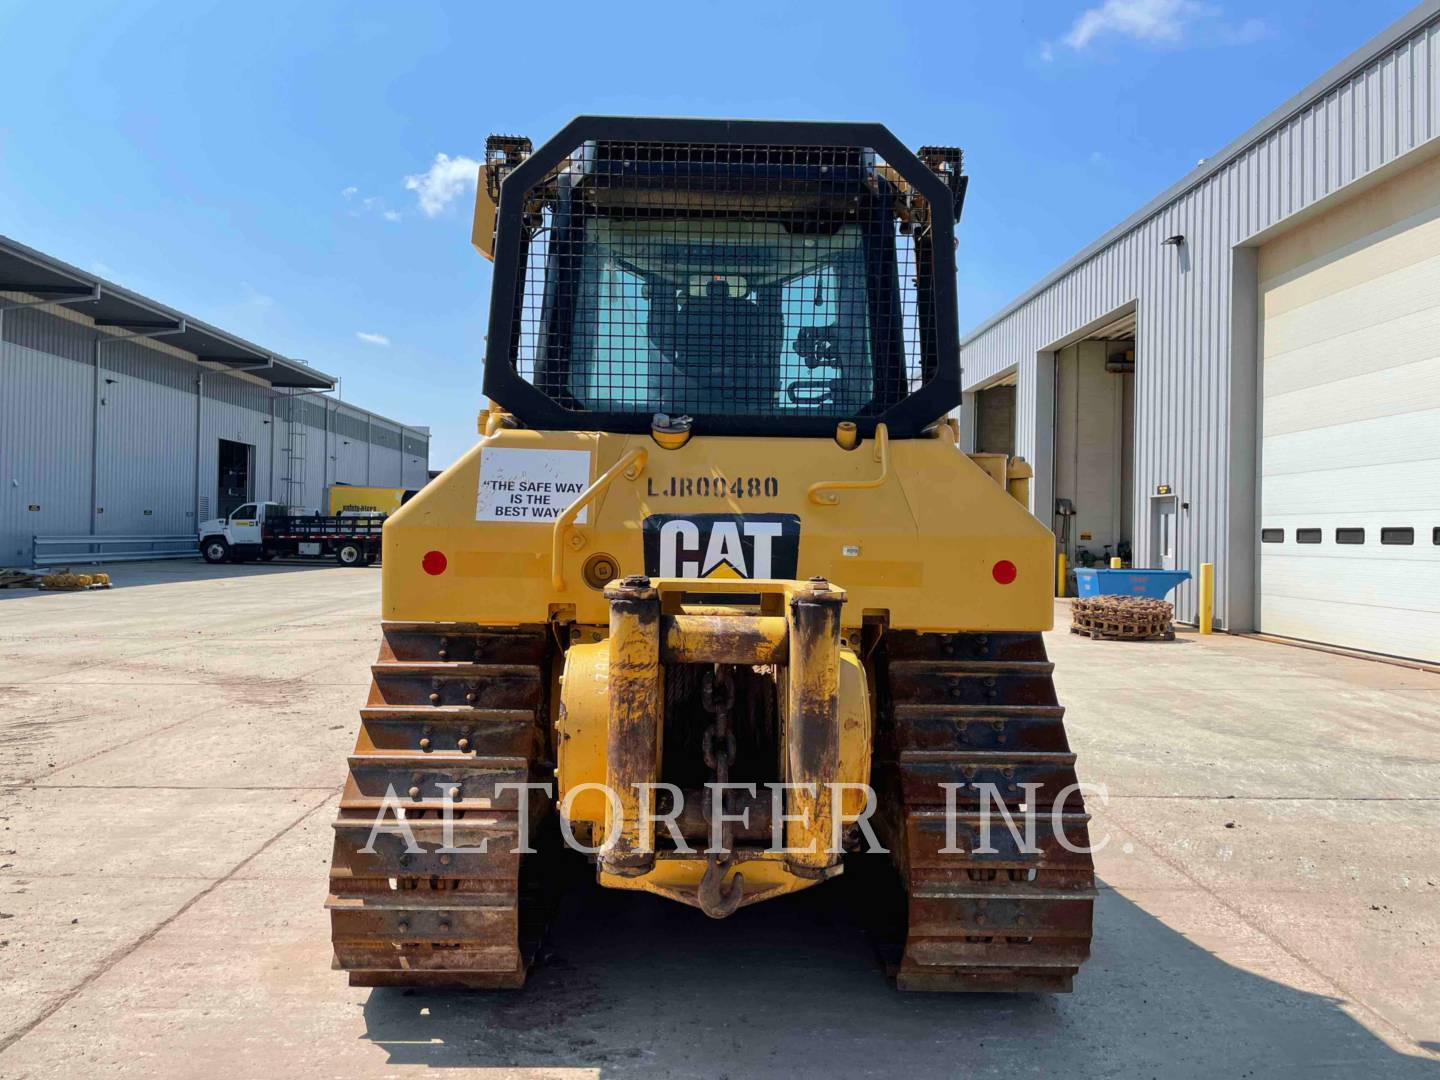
[(981, 709), (454, 711)]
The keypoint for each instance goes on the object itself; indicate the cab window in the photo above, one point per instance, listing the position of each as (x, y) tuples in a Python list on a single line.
[(720, 317), (243, 513)]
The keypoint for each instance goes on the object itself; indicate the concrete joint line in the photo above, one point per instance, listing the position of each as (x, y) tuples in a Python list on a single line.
[(126, 950)]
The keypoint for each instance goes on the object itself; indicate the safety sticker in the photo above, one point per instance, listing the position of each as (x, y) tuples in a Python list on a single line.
[(530, 485)]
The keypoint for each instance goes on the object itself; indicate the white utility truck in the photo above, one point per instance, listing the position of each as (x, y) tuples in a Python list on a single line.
[(263, 530)]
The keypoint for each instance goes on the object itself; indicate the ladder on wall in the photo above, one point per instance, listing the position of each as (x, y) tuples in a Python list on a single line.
[(296, 433)]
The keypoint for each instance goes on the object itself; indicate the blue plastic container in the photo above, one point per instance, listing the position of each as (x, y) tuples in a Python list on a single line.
[(1152, 583)]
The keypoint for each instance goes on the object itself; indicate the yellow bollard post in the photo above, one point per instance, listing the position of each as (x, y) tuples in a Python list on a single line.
[(1060, 574), (1115, 563), (1207, 597)]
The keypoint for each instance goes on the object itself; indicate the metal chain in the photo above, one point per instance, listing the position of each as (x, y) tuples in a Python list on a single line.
[(717, 694)]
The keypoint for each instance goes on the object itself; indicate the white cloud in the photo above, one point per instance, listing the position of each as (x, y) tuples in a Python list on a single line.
[(1154, 21), (1160, 22), (363, 205), (445, 180), (373, 339), (1047, 52)]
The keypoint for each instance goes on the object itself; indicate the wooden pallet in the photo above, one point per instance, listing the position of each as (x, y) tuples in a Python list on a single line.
[(1124, 634)]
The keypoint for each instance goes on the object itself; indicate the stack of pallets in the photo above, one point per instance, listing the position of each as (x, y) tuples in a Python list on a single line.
[(1122, 618)]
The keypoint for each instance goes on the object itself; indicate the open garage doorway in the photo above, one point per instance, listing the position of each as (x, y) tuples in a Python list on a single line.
[(1095, 447), (234, 484), (995, 418)]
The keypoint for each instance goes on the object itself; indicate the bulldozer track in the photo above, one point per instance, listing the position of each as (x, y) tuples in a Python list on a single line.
[(981, 709), (454, 711)]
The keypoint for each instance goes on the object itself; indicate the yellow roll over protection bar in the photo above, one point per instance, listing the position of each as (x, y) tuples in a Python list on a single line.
[(824, 493), (631, 465)]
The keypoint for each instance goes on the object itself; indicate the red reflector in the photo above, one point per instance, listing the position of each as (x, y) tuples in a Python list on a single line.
[(1004, 571), (434, 562)]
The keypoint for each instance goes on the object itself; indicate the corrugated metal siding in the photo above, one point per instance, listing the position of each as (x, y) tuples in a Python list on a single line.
[(317, 453), (416, 466), (352, 457), (386, 437), (223, 389), (43, 332), (44, 447), (349, 424), (147, 431), (1382, 110), (417, 472), (386, 468), (146, 478), (136, 361)]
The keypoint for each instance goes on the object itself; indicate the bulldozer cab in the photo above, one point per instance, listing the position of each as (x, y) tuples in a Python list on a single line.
[(757, 278)]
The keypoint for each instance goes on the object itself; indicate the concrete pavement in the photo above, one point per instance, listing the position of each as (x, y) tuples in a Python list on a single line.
[(170, 753)]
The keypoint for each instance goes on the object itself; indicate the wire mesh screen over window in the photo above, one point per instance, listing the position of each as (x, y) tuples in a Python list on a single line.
[(714, 279)]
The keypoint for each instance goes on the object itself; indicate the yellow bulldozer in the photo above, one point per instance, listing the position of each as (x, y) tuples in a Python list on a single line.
[(717, 599)]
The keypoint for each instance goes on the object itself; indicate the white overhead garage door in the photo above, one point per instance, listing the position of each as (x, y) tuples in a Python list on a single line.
[(1350, 447)]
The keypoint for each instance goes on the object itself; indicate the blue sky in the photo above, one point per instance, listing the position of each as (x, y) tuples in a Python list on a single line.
[(276, 170)]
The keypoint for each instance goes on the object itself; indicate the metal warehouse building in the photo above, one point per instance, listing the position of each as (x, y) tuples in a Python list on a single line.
[(120, 416), (1247, 370)]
